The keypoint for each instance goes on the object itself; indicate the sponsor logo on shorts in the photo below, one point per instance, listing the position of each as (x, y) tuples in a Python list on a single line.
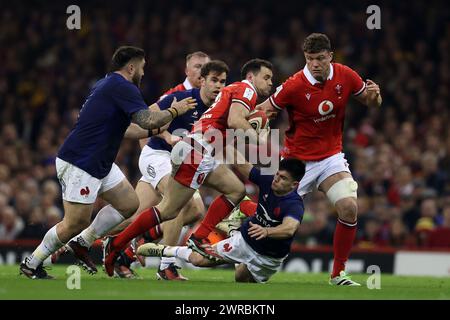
[(227, 247), (200, 178), (85, 192), (151, 171)]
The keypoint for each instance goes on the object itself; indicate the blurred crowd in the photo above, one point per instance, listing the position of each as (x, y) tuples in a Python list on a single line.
[(398, 154)]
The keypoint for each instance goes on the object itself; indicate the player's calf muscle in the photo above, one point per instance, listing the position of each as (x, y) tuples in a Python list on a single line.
[(192, 213), (68, 229)]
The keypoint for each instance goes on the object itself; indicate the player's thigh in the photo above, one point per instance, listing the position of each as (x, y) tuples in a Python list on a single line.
[(122, 197), (147, 195), (225, 181), (175, 198), (162, 184), (331, 180), (242, 274)]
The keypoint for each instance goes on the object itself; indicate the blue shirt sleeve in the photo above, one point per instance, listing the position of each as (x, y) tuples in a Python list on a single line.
[(166, 102), (292, 208), (264, 182), (128, 97), (255, 175)]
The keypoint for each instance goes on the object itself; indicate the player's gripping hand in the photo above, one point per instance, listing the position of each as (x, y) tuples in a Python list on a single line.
[(258, 232), (270, 111), (373, 90), (183, 106), (172, 139)]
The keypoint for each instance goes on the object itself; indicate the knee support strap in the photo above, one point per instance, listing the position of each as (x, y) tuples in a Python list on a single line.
[(345, 188)]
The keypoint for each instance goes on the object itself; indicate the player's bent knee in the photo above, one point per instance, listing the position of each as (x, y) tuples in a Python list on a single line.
[(193, 212), (198, 260), (168, 214), (347, 209), (237, 195), (345, 188), (131, 208), (240, 277)]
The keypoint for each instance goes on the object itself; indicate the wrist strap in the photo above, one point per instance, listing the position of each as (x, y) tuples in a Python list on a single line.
[(150, 132), (173, 112)]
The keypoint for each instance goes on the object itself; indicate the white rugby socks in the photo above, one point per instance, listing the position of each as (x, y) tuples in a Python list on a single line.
[(166, 261), (49, 244), (179, 252), (107, 218)]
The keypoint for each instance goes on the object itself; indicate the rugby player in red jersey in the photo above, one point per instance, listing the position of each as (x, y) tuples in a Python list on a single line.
[(230, 111), (315, 100)]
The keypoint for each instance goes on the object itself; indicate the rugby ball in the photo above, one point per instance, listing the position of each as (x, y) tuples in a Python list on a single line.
[(258, 120)]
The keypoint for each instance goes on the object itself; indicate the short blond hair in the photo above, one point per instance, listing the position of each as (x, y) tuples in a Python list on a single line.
[(200, 54)]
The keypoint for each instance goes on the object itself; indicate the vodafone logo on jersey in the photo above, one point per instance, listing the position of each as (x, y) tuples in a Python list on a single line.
[(325, 107)]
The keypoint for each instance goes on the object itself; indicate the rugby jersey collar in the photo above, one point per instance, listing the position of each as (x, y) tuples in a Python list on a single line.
[(187, 85), (250, 84), (313, 80)]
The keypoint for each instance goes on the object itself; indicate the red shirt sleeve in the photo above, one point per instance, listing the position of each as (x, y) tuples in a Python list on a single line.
[(356, 82), (245, 95), (179, 87), (283, 94)]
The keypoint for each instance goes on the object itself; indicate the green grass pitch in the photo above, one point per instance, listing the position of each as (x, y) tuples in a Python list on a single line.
[(215, 284)]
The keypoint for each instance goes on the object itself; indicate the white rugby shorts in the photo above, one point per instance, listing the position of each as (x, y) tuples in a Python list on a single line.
[(317, 171), (154, 165), (192, 161), (236, 250), (79, 186)]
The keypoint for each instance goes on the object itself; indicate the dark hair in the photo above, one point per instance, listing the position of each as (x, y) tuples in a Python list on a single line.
[(295, 167), (316, 42), (123, 55), (254, 66), (217, 66), (200, 54)]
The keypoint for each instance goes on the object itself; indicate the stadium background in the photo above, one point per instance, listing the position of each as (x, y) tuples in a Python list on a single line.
[(399, 154)]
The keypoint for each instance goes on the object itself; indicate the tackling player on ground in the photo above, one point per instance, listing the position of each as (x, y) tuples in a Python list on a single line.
[(263, 241), (315, 100)]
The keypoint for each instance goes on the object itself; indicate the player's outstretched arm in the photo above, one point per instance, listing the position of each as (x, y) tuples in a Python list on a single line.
[(239, 163), (371, 96), (148, 119), (285, 230), (136, 132)]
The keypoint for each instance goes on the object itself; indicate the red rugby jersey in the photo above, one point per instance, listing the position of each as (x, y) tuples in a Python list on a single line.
[(316, 111)]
